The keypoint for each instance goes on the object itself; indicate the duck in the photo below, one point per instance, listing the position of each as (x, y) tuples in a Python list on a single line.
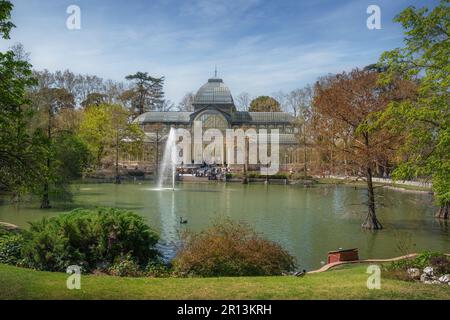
[(183, 221), (300, 274)]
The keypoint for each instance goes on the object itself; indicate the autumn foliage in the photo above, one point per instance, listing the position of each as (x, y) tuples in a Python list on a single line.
[(231, 249), (346, 120)]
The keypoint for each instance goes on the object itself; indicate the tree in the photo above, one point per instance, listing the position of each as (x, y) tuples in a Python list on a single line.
[(94, 98), (243, 101), (48, 104), (37, 151), (346, 105), (186, 102), (107, 130), (299, 101), (5, 18), (20, 53), (281, 98), (19, 147), (147, 93), (425, 120), (264, 104), (165, 106)]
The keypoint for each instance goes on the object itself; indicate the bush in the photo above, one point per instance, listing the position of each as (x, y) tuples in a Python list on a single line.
[(230, 249), (438, 261), (11, 248), (6, 230), (440, 264), (89, 238), (158, 270), (260, 176), (125, 267)]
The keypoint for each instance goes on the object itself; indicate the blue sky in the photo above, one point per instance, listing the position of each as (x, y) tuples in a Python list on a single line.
[(259, 46)]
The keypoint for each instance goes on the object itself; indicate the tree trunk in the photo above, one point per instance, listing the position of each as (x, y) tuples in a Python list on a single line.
[(305, 155), (245, 179), (371, 222), (117, 181), (443, 212), (45, 204)]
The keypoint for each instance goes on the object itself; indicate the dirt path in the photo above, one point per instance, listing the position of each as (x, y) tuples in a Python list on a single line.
[(335, 264), (9, 226)]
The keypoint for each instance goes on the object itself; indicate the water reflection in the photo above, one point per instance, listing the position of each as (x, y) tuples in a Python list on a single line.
[(169, 223)]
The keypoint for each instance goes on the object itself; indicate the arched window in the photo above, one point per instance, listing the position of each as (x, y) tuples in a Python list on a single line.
[(213, 120)]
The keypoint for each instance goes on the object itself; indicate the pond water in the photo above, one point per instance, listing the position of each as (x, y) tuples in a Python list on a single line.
[(308, 222)]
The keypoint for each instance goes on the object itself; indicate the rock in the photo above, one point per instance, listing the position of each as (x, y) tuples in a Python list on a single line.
[(424, 278), (428, 271), (435, 282), (445, 279), (413, 273)]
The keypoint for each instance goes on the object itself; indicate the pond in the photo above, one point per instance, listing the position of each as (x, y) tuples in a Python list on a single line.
[(308, 222)]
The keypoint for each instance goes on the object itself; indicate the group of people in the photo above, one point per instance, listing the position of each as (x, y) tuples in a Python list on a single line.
[(212, 172)]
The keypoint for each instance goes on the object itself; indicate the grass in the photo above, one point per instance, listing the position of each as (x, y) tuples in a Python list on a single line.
[(345, 283)]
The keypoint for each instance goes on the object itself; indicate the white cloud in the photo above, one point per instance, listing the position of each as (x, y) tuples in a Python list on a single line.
[(186, 46)]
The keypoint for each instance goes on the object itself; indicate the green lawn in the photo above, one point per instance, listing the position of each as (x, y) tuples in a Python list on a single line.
[(344, 283)]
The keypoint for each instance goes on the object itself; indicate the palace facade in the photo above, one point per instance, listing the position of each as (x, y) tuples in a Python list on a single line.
[(214, 106)]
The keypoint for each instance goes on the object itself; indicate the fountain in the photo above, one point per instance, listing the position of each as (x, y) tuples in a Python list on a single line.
[(168, 167)]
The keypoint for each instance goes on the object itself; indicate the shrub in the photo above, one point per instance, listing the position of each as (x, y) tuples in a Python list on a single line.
[(230, 249), (3, 231), (7, 230), (158, 270), (11, 248), (125, 267), (89, 238), (438, 261), (440, 264), (254, 175)]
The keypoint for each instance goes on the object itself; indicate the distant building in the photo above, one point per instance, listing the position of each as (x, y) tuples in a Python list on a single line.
[(214, 107)]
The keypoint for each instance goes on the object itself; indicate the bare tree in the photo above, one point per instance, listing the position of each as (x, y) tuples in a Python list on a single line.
[(186, 102), (299, 100), (281, 97), (20, 53), (243, 101), (166, 105)]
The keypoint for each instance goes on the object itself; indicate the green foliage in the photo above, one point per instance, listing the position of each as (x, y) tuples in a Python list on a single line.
[(157, 269), (71, 157), (146, 95), (125, 267), (107, 129), (18, 147), (425, 120), (230, 249), (10, 248), (5, 15), (89, 238), (422, 261), (264, 104), (274, 176)]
